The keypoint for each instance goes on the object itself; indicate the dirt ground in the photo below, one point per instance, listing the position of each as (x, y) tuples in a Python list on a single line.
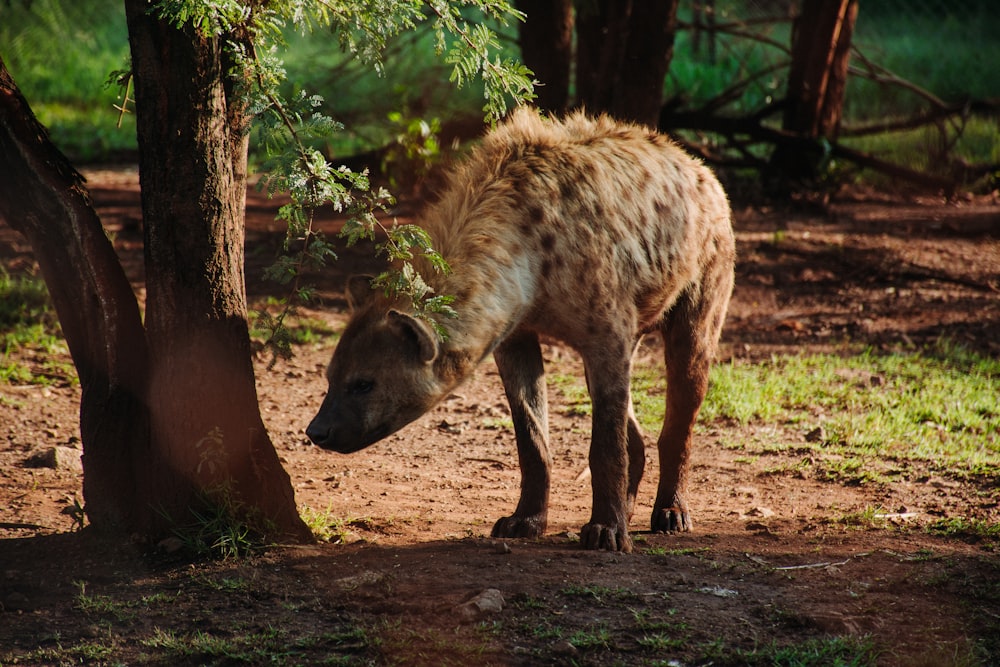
[(773, 561)]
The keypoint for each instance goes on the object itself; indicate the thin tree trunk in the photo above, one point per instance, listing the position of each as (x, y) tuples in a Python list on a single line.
[(546, 40), (817, 78), (205, 419), (601, 36), (650, 47), (45, 199), (624, 49)]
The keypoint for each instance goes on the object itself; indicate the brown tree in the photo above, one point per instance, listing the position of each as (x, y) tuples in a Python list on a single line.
[(169, 414), (623, 51), (193, 142), (45, 199), (546, 40), (817, 79)]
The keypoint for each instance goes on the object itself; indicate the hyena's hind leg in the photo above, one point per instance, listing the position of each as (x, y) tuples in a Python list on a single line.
[(636, 459), (519, 360), (691, 332)]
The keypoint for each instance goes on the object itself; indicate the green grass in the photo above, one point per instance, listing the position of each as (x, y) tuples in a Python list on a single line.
[(951, 53), (821, 652), (32, 350), (66, 86), (970, 529), (977, 141), (937, 406), (272, 646)]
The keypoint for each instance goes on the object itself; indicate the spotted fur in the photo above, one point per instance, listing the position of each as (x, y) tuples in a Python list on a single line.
[(586, 230)]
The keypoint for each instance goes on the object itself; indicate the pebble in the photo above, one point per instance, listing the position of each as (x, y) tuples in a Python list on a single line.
[(57, 458), (488, 602)]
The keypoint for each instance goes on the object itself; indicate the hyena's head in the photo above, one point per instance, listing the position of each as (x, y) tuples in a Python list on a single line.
[(381, 376)]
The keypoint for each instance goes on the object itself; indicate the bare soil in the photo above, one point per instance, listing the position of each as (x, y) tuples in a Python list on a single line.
[(773, 560)]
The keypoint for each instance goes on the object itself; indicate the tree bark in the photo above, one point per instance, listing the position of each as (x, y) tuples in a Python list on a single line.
[(624, 49), (205, 420), (45, 199), (546, 40), (817, 78)]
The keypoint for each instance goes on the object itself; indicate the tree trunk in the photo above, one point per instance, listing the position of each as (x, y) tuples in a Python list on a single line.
[(623, 54), (44, 198), (817, 78), (206, 423), (546, 40)]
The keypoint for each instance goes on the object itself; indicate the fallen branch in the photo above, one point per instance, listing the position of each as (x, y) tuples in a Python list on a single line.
[(750, 126)]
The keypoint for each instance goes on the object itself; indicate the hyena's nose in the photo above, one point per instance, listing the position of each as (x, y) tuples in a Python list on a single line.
[(318, 433)]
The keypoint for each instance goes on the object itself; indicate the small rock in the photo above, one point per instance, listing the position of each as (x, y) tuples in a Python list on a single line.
[(57, 458), (171, 544), (448, 427), (816, 435), (354, 582), (564, 648), (488, 602), (501, 547), (758, 527), (759, 511), (718, 591)]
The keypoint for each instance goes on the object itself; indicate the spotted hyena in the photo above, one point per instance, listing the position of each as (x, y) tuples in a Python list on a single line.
[(586, 230)]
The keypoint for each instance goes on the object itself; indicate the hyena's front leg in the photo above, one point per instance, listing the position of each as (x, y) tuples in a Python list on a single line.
[(636, 456), (519, 360), (609, 456)]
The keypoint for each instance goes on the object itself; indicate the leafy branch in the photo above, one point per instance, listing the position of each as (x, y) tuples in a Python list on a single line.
[(287, 127), (471, 56)]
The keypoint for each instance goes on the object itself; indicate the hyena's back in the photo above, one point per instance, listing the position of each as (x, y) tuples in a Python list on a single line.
[(605, 224)]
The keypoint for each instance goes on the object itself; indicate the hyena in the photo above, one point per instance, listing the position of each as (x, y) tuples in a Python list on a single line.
[(585, 230)]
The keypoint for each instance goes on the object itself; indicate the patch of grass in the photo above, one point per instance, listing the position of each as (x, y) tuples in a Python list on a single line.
[(220, 528), (271, 646), (98, 651), (937, 406), (854, 651), (103, 605), (497, 423), (977, 141), (871, 516), (662, 641), (66, 86), (959, 66), (31, 345), (326, 527), (978, 530), (866, 414), (573, 391), (590, 638), (691, 551), (599, 593)]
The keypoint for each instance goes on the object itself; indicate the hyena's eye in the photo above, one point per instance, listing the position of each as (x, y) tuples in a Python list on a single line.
[(359, 387)]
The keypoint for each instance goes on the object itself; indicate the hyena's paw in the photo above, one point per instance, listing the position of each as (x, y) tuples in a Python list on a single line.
[(599, 536), (519, 526), (671, 519)]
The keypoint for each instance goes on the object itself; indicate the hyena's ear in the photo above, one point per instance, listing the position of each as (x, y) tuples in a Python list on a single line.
[(359, 291), (416, 331)]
